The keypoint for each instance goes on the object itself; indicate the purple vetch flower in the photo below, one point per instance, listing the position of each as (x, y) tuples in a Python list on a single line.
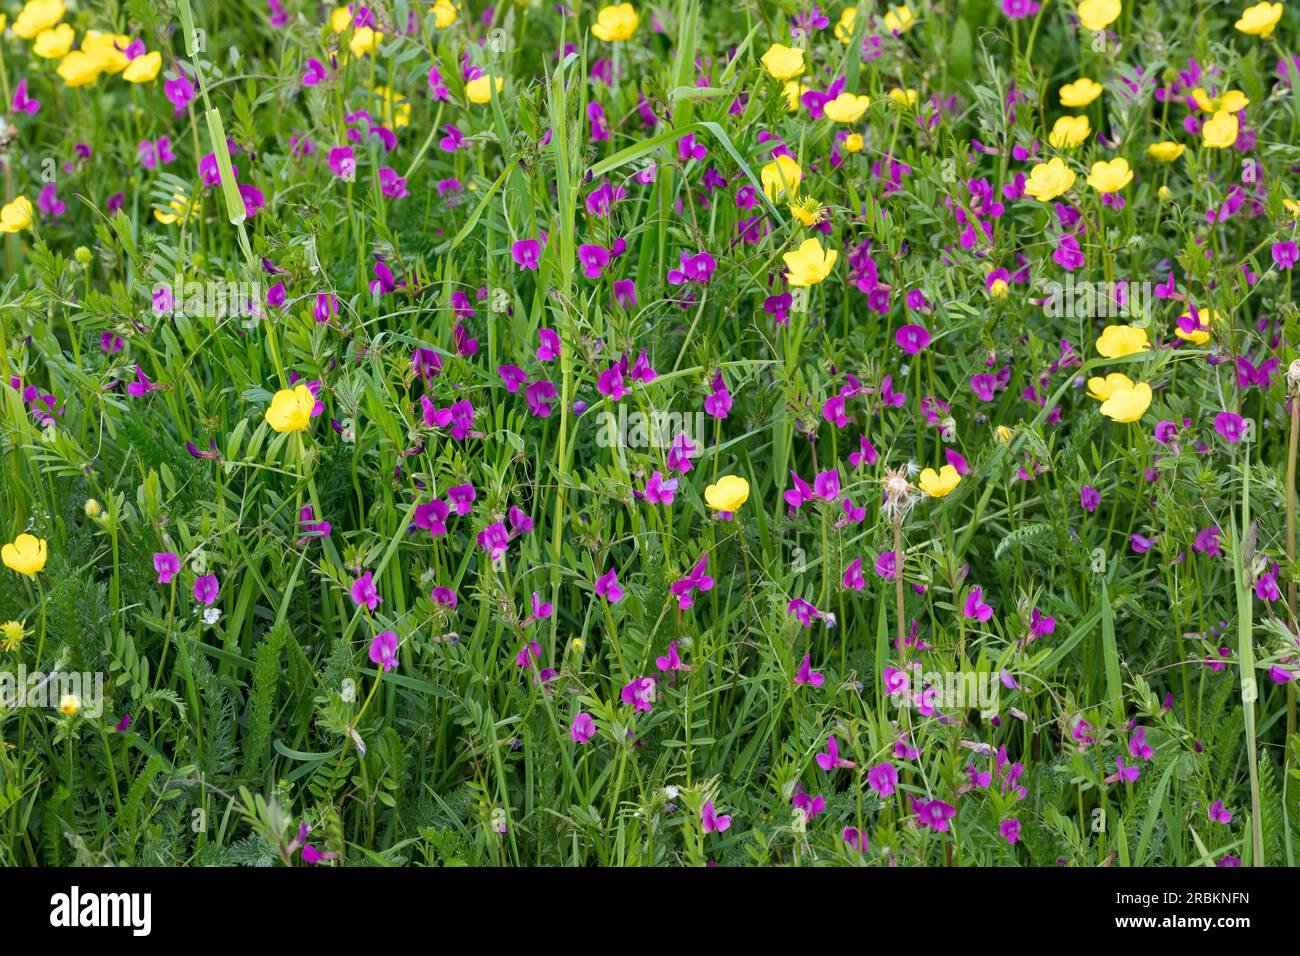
[(537, 395), (639, 694), (607, 586), (167, 564), (1089, 497), (582, 729), (343, 162), (1266, 586), (806, 675), (830, 758), (854, 580), (883, 778), (684, 589), (311, 528), (804, 611), (975, 609), (935, 815), (659, 490), (593, 260), (912, 339), (512, 376), (527, 253), (855, 838), (495, 540), (390, 184), (670, 661), (383, 650), (152, 154), (315, 73), (1230, 426), (1285, 254), (206, 589), (1207, 542), (452, 140), (364, 592), (22, 103), (549, 349), (887, 565), (712, 821)]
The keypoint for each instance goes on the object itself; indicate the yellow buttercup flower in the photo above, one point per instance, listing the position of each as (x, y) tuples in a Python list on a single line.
[(26, 555), (794, 91), (1127, 404), (397, 111), (80, 68), (809, 264), (846, 108), (1166, 151), (16, 215), (1259, 20), (728, 494), (1110, 176), (1103, 388), (899, 19), (1049, 180), (290, 409), (69, 705), (1080, 93), (1220, 130), (1116, 341), (108, 49), (479, 91), (781, 175), (1292, 207), (55, 42), (444, 14), (340, 19), (1234, 101), (1069, 132), (903, 97), (1200, 331), (1164, 194), (11, 635), (36, 16), (853, 143), (364, 41), (1002, 434), (844, 28), (1098, 14), (783, 62), (615, 22), (807, 210), (939, 484), (180, 208), (143, 69)]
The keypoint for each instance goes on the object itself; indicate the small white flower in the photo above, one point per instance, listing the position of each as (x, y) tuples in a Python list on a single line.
[(211, 615)]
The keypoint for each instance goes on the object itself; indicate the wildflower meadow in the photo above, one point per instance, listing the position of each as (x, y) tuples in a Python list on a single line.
[(680, 433)]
